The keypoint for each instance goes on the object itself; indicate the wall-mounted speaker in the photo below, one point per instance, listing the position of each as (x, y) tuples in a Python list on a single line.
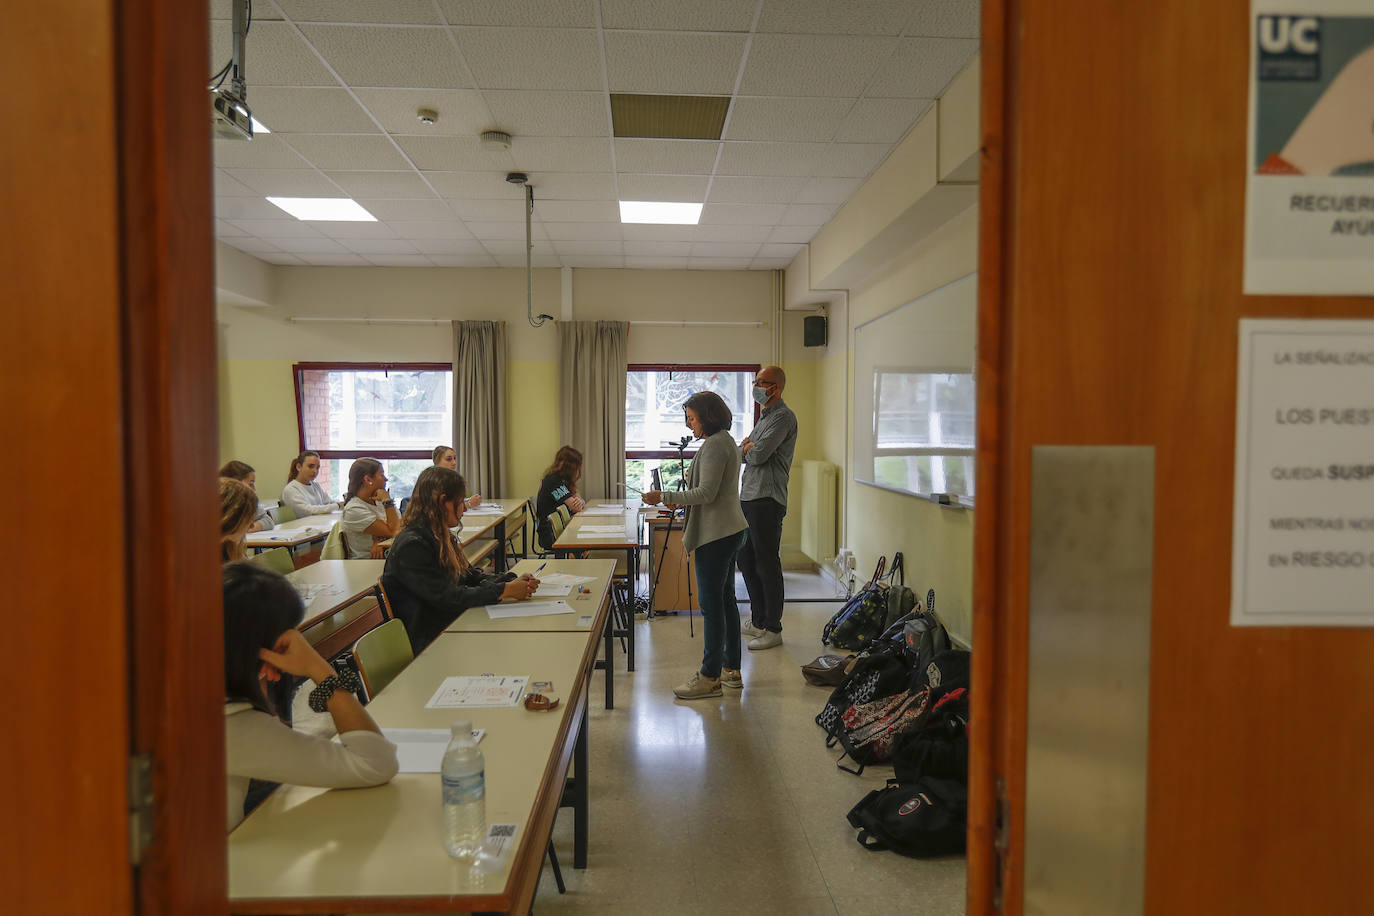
[(813, 331)]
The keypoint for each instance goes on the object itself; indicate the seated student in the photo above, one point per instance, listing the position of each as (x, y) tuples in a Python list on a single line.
[(301, 494), (261, 642), (559, 487), (237, 506), (446, 457), (427, 579), (241, 470), (369, 515)]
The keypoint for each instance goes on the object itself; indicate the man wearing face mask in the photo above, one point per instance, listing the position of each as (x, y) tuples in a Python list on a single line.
[(767, 453)]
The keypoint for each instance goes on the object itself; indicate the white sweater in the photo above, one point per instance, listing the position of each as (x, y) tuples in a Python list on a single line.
[(307, 499), (259, 746)]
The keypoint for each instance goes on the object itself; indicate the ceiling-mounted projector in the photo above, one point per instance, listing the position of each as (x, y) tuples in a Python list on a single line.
[(230, 115)]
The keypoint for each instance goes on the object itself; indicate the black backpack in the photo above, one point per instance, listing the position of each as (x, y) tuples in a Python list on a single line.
[(940, 747), (866, 616), (928, 817), (881, 671)]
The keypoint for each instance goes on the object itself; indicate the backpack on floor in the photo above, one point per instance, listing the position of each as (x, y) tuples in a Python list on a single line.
[(928, 817), (881, 671), (939, 749), (882, 601)]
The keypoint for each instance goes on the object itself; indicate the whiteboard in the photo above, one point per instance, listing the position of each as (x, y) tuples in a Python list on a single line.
[(913, 419)]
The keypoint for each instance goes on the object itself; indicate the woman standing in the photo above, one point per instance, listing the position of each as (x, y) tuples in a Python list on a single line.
[(558, 488), (427, 579), (237, 506), (242, 470), (369, 515), (714, 530), (446, 457), (301, 494)]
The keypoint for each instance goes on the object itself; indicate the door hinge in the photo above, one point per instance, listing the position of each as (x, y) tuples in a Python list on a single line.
[(1001, 842), (140, 806)]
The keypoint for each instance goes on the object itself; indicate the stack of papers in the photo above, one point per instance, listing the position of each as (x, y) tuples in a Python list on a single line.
[(421, 750), (480, 690)]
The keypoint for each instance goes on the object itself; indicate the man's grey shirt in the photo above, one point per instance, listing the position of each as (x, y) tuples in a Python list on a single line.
[(769, 462)]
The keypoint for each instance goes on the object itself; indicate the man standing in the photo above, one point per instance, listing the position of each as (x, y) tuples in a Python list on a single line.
[(767, 453)]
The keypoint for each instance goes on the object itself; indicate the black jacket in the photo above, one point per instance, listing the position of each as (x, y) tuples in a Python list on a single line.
[(423, 594)]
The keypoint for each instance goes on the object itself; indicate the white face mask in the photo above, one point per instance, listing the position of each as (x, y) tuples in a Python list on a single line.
[(761, 394)]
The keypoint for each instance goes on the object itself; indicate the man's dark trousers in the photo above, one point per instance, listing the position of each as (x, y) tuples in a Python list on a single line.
[(761, 562)]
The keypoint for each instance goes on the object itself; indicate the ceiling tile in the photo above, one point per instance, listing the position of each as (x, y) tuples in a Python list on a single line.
[(224, 230), (944, 18), (656, 263), (673, 62), (248, 208), (836, 17), (251, 245), (881, 120), (512, 260), (532, 58), (787, 252), (735, 233), (549, 114), (827, 190), (718, 263), (813, 65), (770, 263), (637, 232), (390, 55), (454, 154), (285, 110), (671, 157), (698, 16), (388, 210), (227, 186), (349, 230), (334, 260), (276, 228), (837, 160), (731, 190), (276, 56), (812, 119), (577, 211), (461, 111), (504, 247), (287, 182), (850, 160), (381, 184), (419, 12), (463, 260), (265, 152), (793, 234), (569, 154), (585, 247), (658, 249), (474, 185), (592, 261), (688, 188), (458, 247), (808, 215), (399, 260), (512, 231), (489, 210), (724, 249), (430, 229), (922, 67), (743, 214), (573, 186), (281, 258), (561, 14), (379, 246), (311, 246), (583, 231), (348, 151)]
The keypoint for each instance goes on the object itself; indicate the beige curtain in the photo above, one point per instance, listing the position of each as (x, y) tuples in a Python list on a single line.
[(591, 401), (479, 404)]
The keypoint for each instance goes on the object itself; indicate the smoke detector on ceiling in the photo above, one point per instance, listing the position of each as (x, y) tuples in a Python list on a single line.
[(496, 141), (427, 116)]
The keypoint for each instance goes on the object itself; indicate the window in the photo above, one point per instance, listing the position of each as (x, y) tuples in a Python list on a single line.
[(923, 431), (654, 395), (396, 413)]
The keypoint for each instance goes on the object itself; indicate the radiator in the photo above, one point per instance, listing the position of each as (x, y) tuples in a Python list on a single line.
[(818, 510)]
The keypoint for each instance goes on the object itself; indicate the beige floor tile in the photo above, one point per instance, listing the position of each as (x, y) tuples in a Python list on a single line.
[(920, 903)]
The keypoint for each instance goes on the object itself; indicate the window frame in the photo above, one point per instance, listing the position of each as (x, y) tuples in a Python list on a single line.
[(343, 454), (642, 453), (919, 451)]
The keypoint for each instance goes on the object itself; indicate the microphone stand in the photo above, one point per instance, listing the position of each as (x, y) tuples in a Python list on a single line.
[(681, 446)]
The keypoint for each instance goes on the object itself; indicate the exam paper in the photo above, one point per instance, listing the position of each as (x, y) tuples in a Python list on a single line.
[(562, 579), (603, 510), (527, 609), (421, 750), (481, 690), (309, 592)]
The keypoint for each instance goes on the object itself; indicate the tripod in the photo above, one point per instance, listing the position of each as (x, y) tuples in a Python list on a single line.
[(681, 446)]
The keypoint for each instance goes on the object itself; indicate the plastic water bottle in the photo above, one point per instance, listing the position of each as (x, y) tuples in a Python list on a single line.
[(465, 793)]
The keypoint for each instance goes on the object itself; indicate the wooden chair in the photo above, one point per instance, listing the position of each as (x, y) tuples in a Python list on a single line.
[(381, 654), (278, 559), (334, 548)]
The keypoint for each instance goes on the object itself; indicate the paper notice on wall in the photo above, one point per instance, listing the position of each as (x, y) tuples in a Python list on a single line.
[(1302, 551), (1310, 172)]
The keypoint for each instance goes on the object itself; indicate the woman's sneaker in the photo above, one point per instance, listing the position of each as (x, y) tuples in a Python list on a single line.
[(731, 677), (698, 686)]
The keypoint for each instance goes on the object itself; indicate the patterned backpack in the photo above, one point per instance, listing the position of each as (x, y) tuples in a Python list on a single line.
[(882, 601)]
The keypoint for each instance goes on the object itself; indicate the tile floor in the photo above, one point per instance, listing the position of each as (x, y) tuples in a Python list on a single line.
[(732, 804)]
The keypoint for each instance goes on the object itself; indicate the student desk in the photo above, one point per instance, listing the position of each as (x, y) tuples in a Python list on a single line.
[(381, 850), (571, 542), (337, 616), (593, 606), (480, 526), (293, 533)]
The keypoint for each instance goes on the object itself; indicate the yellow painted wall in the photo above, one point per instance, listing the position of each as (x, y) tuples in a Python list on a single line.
[(257, 423)]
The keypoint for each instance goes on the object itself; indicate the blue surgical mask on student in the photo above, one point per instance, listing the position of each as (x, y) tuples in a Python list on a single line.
[(761, 394)]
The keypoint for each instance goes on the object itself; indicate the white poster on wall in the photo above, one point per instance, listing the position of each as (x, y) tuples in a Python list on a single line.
[(1310, 172), (1302, 550)]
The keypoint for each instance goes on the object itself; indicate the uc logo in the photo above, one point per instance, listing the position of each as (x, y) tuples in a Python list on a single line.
[(1288, 34)]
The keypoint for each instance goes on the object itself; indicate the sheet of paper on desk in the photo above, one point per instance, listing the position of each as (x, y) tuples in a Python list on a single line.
[(603, 510), (486, 509), (480, 690), (553, 591), (528, 609), (561, 579), (309, 593), (285, 534), (421, 750), (602, 529)]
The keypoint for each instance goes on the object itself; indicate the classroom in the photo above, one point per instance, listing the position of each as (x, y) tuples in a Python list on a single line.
[(929, 337)]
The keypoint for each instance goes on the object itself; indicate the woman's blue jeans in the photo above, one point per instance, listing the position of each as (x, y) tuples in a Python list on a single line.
[(715, 562)]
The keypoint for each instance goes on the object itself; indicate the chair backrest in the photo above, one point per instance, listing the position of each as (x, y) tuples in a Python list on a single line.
[(334, 548), (384, 601), (284, 513), (277, 559), (565, 514), (381, 654), (556, 521)]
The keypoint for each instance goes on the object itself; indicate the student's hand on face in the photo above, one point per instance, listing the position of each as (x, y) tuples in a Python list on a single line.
[(378, 552), (293, 655), (652, 497), (381, 496)]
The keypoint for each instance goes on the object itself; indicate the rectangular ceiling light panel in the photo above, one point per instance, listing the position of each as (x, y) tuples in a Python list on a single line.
[(324, 209), (659, 212), (668, 117)]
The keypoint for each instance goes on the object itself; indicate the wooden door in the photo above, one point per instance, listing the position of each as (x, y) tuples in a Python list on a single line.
[(1112, 215)]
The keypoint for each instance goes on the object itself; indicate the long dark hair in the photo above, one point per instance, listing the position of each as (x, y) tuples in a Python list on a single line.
[(567, 463), (433, 487), (711, 411), (259, 606), (298, 461), (363, 467)]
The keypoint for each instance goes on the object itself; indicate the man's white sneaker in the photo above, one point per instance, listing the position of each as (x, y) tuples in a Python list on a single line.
[(698, 686), (731, 677), (753, 632), (768, 640)]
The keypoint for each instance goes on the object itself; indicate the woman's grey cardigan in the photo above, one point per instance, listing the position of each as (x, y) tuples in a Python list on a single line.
[(712, 492)]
